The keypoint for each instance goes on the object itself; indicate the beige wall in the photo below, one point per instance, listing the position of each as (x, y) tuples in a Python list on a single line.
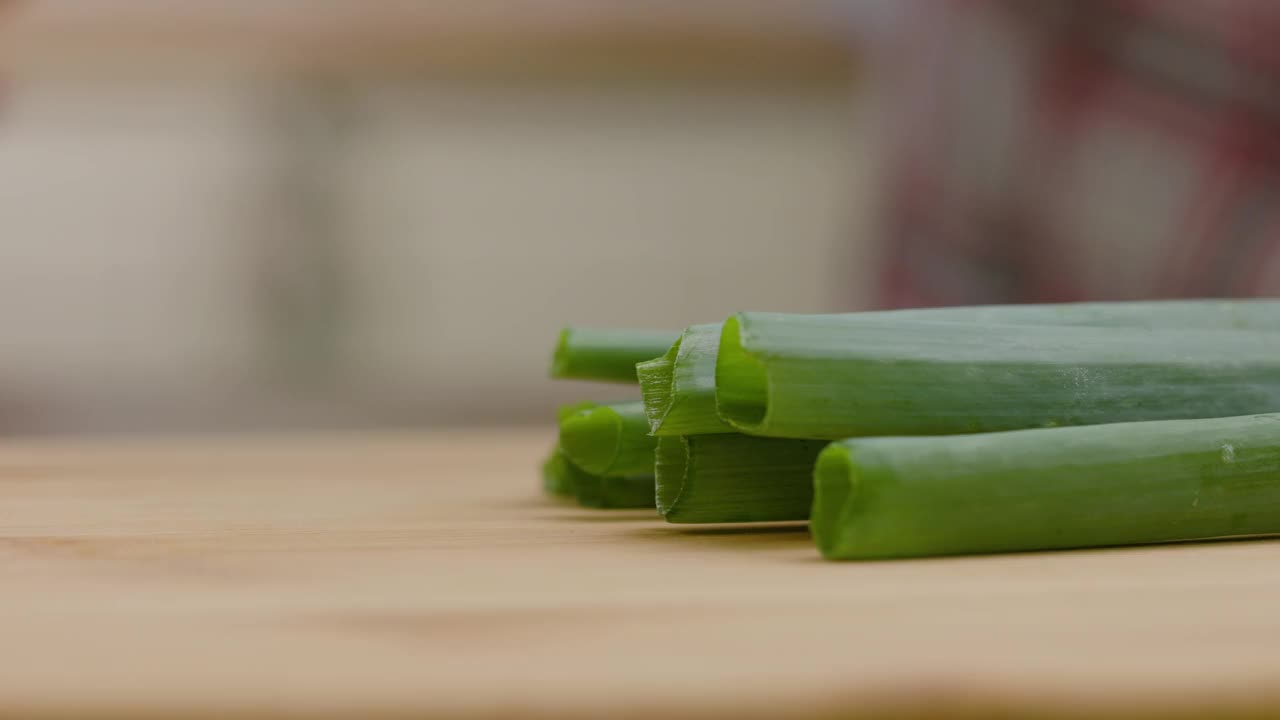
[(230, 251)]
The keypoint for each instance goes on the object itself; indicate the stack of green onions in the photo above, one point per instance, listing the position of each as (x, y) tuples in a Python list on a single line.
[(605, 457), (957, 430)]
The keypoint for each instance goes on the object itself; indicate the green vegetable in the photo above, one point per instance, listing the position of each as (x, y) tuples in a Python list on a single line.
[(608, 354), (557, 476), (612, 488), (561, 478), (679, 387), (820, 376), (557, 472), (566, 411), (609, 439), (619, 492), (1048, 488), (735, 478), (1255, 314)]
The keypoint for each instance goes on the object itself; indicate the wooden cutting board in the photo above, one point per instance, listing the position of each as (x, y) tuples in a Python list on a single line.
[(369, 576)]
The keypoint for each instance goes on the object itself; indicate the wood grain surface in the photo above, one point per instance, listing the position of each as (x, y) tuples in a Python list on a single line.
[(423, 575)]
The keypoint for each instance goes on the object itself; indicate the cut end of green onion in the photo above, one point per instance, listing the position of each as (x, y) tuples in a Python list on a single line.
[(609, 440), (557, 475), (834, 480), (656, 379), (560, 357), (564, 412), (592, 438), (679, 388), (672, 463), (742, 383)]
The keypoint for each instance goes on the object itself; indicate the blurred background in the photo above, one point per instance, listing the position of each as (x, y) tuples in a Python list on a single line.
[(293, 214), (298, 213)]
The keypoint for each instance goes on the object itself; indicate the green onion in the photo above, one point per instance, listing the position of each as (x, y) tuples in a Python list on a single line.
[(679, 387), (1043, 489), (830, 376), (609, 439), (557, 473), (1255, 314), (557, 476), (734, 478), (608, 354), (619, 492), (609, 454), (566, 411), (561, 478)]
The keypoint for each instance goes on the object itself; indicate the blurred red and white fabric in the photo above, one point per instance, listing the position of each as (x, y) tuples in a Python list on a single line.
[(1067, 150)]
